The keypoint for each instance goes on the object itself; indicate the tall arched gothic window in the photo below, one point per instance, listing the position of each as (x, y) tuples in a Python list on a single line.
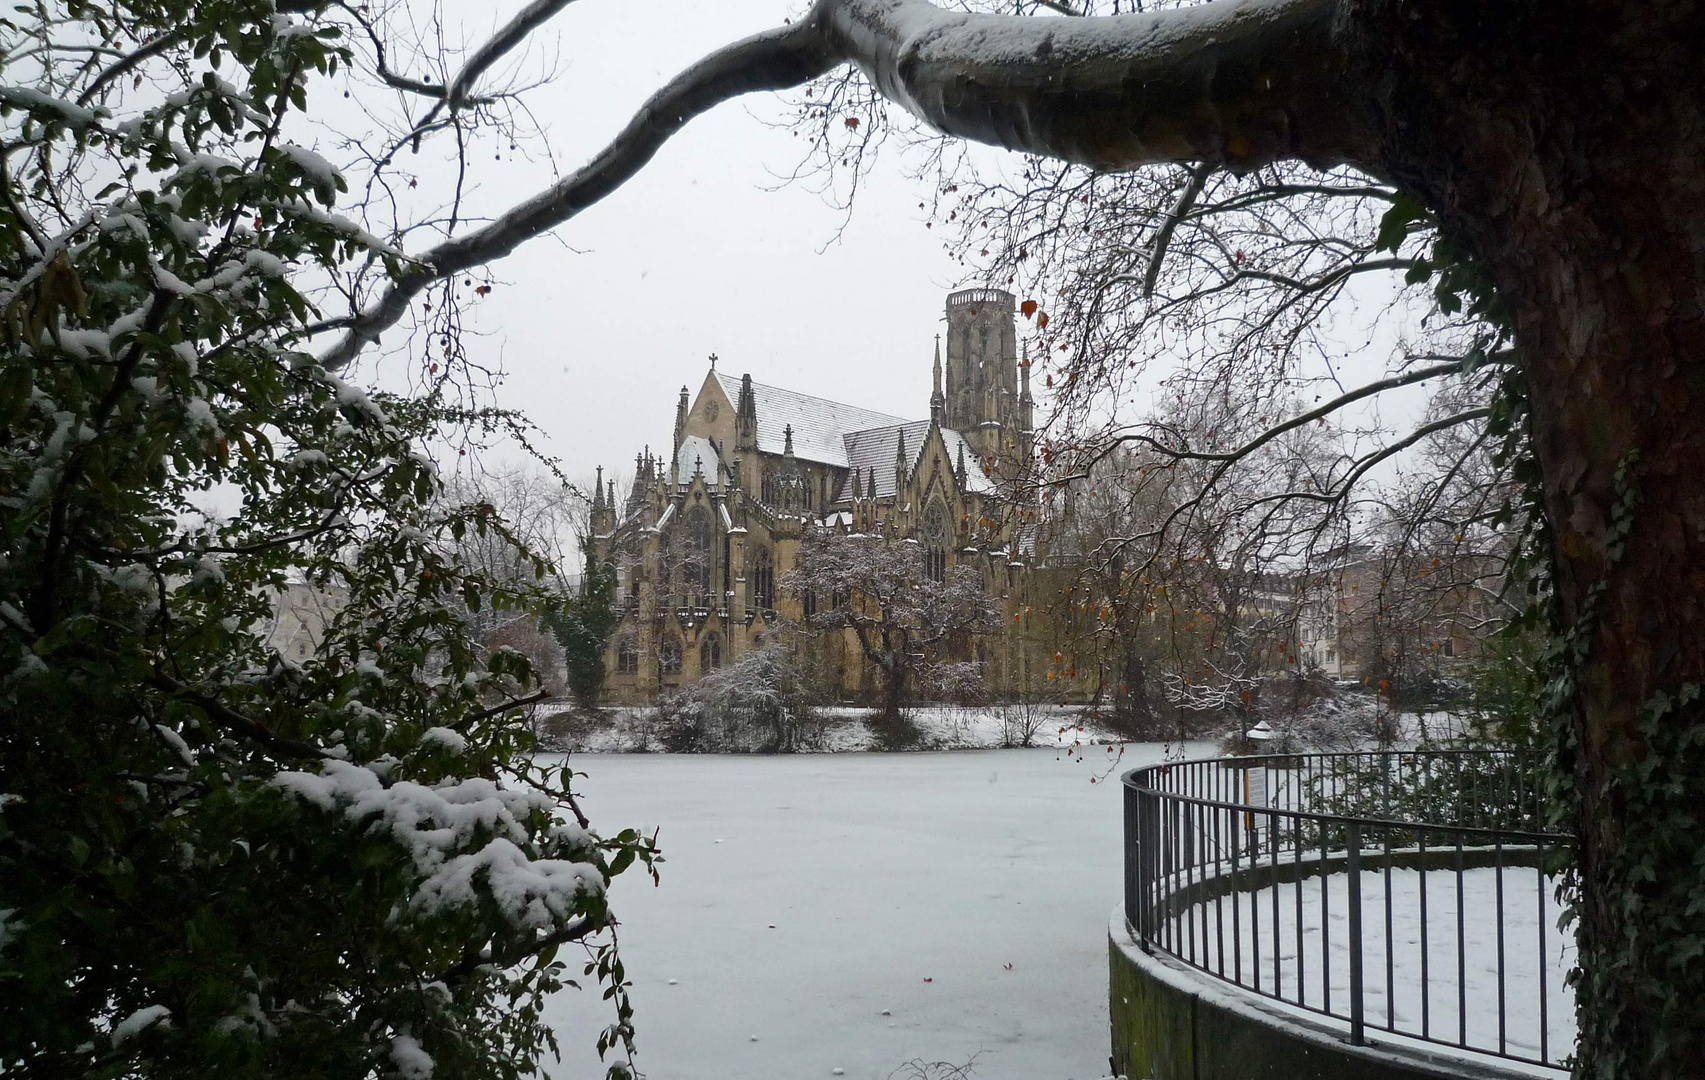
[(699, 558), (935, 542), (627, 657), (669, 657), (710, 654), (763, 580)]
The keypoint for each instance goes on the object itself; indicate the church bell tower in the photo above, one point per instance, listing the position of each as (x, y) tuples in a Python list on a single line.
[(982, 373)]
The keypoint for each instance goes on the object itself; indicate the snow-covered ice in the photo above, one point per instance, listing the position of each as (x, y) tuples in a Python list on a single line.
[(900, 887)]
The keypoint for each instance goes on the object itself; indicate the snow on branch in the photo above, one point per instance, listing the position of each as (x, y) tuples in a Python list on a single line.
[(1239, 83)]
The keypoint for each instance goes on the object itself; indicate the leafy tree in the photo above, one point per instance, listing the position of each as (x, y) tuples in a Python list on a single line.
[(907, 624), (583, 624), (214, 858)]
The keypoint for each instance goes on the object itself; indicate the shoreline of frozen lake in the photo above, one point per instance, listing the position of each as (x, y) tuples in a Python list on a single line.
[(805, 896)]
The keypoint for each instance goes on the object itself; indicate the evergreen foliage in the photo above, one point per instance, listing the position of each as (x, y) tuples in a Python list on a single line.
[(215, 858), (583, 624)]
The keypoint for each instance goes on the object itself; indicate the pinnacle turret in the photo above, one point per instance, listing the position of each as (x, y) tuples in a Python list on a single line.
[(681, 417), (937, 400)]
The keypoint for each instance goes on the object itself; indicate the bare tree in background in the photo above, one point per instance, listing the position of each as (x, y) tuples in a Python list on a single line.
[(908, 625)]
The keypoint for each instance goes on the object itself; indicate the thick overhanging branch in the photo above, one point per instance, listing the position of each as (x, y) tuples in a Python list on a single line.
[(773, 60), (1236, 83), (1233, 83)]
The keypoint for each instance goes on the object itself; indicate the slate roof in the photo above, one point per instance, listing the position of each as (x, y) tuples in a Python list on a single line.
[(696, 450), (876, 448), (818, 423)]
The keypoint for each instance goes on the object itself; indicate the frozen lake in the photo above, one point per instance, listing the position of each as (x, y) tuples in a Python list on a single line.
[(860, 911)]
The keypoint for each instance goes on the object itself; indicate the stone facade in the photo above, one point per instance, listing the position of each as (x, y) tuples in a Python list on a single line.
[(704, 538)]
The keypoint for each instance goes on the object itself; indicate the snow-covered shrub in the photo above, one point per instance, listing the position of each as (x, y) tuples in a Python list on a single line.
[(759, 704), (1306, 712)]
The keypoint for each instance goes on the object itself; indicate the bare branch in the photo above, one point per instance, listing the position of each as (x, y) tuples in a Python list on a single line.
[(772, 60), (514, 32), (1163, 235)]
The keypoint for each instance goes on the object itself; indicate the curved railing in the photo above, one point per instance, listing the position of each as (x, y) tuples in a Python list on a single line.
[(1405, 892)]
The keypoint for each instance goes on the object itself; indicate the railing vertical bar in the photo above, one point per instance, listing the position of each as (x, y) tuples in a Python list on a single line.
[(1426, 986), (1130, 801), (1219, 895), (1254, 905), (1325, 930), (1390, 969), (1273, 884), (1544, 1018), (1236, 903), (1169, 828), (1353, 868), (1498, 873), (1191, 878), (1461, 955), (1296, 865)]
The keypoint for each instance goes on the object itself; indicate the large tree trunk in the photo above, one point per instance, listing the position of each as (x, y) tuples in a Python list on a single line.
[(893, 688), (1563, 144), (1566, 145)]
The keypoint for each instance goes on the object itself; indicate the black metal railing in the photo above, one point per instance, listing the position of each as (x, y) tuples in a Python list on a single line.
[(1405, 892)]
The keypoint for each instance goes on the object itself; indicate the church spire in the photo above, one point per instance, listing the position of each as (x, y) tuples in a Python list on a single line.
[(900, 464), (937, 400), (681, 417), (959, 472), (603, 518)]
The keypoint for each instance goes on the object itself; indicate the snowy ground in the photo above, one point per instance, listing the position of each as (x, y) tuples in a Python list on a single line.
[(1524, 964), (856, 912), (845, 729)]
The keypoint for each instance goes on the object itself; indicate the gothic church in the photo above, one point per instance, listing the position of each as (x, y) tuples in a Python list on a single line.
[(703, 538)]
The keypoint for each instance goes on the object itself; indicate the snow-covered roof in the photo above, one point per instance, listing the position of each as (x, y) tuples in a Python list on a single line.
[(818, 423), (876, 448), (696, 452)]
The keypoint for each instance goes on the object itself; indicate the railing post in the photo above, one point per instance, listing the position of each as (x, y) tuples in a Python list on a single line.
[(1132, 840), (1353, 861)]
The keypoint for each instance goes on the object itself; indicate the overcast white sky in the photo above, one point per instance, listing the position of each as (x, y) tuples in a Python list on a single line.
[(706, 250), (698, 254)]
